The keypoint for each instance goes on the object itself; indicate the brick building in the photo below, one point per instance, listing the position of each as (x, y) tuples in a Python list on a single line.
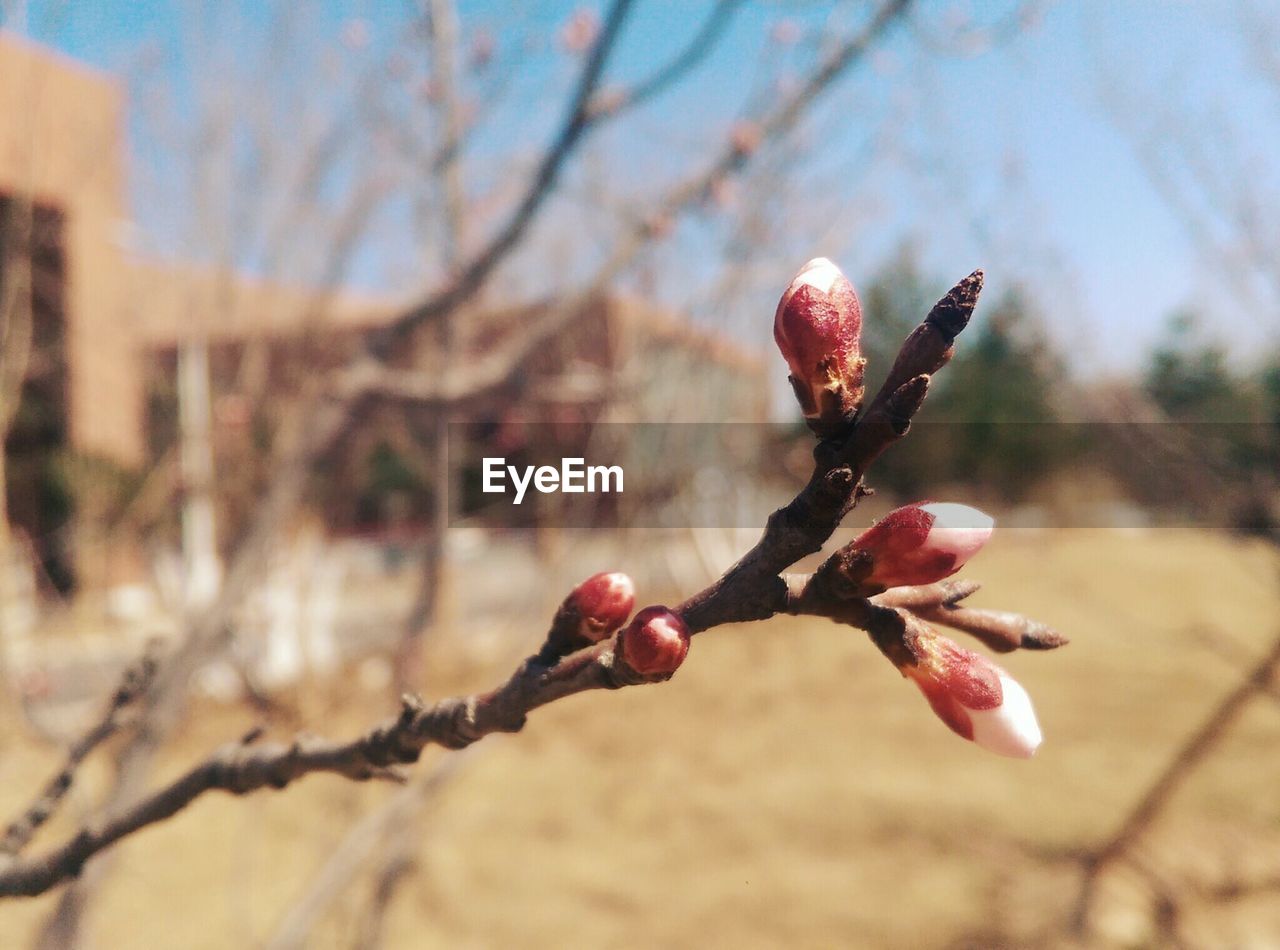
[(107, 326)]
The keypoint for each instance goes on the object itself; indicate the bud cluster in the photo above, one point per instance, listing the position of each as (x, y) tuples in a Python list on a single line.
[(653, 644)]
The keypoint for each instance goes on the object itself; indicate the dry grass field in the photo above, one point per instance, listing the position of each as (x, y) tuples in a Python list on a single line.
[(787, 788)]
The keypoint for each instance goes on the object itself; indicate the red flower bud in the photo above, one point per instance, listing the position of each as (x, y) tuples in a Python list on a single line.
[(656, 641), (817, 327), (974, 697), (922, 544), (604, 603)]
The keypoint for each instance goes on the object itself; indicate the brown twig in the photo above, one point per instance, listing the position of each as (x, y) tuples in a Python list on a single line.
[(750, 590), (22, 829), (354, 851), (1181, 765), (576, 124), (1001, 630), (327, 418)]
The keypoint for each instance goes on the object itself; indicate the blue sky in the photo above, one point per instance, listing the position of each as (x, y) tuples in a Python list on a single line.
[(1023, 157)]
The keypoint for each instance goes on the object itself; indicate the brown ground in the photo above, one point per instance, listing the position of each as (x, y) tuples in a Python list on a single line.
[(786, 789)]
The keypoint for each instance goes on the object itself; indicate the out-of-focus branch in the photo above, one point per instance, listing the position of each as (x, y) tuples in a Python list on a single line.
[(577, 122), (355, 849), (23, 828), (370, 377), (306, 438), (1182, 764), (613, 102)]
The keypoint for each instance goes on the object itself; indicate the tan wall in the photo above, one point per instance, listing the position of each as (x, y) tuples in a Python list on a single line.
[(61, 129), (62, 140)]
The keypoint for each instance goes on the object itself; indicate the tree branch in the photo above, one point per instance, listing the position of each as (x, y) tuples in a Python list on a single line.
[(23, 828), (746, 592), (791, 533), (613, 103), (576, 123), (1180, 767)]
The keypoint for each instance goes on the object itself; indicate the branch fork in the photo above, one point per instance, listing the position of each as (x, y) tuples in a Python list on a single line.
[(874, 584)]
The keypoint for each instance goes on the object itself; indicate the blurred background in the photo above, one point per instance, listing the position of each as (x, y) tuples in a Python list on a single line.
[(271, 273)]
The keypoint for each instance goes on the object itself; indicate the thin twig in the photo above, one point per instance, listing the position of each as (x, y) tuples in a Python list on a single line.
[(1180, 767), (694, 52), (576, 123), (356, 846), (22, 829)]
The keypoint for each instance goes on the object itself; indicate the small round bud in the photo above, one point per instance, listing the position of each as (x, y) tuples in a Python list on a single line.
[(656, 641), (604, 603)]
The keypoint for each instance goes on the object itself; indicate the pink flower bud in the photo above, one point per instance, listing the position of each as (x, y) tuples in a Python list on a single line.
[(746, 136), (604, 603), (656, 641), (922, 544), (580, 30), (976, 698), (817, 327)]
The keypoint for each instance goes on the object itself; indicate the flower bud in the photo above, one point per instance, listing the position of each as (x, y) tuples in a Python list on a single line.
[(817, 327), (580, 30), (921, 544), (973, 696), (656, 641), (603, 603)]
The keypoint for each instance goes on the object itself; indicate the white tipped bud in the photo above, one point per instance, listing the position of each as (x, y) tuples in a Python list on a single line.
[(974, 697), (958, 530), (1011, 728)]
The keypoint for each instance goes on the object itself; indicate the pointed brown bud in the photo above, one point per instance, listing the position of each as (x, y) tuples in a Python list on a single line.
[(817, 326), (655, 642)]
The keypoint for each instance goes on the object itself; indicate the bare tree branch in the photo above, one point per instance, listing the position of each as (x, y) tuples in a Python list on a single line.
[(750, 590), (355, 849), (577, 122), (23, 828), (791, 533), (614, 102), (1182, 764)]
